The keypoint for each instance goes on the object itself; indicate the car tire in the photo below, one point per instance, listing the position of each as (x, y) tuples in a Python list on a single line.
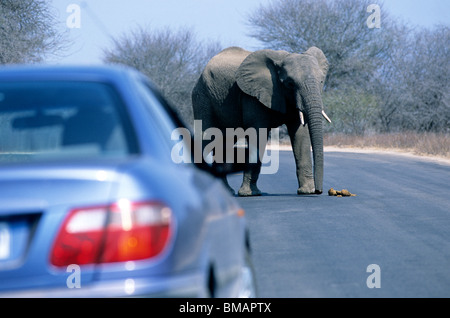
[(248, 288), (211, 284)]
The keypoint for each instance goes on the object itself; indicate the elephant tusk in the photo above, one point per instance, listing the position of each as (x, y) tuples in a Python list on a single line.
[(302, 118), (326, 117)]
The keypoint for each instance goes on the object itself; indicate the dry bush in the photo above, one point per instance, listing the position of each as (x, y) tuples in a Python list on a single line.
[(434, 144), (173, 59), (29, 32)]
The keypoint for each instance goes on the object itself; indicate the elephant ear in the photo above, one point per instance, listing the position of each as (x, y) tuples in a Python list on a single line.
[(321, 59), (257, 76)]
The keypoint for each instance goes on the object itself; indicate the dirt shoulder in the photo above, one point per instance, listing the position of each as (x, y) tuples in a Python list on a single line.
[(407, 154)]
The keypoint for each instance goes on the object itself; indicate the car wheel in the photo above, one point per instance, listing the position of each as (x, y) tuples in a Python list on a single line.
[(248, 288), (211, 286)]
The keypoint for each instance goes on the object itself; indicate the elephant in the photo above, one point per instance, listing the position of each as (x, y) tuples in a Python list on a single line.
[(265, 89)]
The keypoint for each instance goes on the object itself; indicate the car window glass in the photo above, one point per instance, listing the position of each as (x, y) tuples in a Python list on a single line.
[(156, 111), (47, 120)]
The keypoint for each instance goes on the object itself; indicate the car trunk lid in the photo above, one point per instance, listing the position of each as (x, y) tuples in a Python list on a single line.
[(34, 202)]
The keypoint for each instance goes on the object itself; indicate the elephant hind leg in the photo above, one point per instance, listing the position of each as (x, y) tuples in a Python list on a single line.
[(249, 187), (251, 174), (227, 185), (219, 158)]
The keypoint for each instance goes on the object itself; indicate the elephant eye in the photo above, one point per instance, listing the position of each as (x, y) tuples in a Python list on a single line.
[(289, 83)]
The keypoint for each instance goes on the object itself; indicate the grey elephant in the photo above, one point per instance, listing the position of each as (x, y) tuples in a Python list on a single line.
[(265, 89)]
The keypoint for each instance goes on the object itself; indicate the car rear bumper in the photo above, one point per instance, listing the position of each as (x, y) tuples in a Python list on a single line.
[(188, 286)]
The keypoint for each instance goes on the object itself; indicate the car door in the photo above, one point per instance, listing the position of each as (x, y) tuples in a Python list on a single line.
[(225, 236)]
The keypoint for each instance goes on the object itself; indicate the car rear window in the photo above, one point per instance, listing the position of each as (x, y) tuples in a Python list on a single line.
[(49, 120)]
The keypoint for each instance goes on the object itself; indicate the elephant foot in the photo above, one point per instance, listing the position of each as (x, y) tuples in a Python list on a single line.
[(307, 188), (248, 191)]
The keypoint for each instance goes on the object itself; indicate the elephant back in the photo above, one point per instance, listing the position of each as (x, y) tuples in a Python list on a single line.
[(215, 96), (223, 66)]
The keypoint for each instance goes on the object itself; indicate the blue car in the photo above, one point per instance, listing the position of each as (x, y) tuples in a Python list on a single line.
[(92, 203)]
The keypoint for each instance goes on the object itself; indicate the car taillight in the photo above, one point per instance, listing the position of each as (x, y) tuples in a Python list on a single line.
[(123, 231)]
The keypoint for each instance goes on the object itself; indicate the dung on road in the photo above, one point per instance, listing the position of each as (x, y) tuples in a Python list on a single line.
[(342, 193)]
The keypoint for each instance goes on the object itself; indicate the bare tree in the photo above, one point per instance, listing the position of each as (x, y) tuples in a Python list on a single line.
[(392, 78), (428, 80), (353, 110), (172, 59), (388, 82), (27, 31), (338, 27), (413, 85)]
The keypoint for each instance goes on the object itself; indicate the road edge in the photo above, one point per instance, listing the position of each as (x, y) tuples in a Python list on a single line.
[(395, 152)]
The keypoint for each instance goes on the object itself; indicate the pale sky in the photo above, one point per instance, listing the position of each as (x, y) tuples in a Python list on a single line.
[(221, 20)]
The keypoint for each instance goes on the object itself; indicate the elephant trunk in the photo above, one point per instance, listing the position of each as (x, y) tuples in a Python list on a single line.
[(312, 102)]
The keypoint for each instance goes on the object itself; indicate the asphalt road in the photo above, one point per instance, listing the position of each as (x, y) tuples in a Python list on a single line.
[(321, 246)]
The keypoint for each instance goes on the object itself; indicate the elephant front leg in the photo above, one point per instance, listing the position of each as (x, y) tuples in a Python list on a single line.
[(301, 146)]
